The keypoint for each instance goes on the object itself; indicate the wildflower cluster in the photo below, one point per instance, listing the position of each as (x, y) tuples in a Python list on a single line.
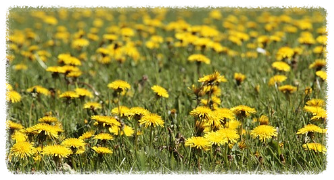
[(123, 89)]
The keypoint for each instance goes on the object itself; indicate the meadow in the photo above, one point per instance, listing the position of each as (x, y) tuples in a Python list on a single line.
[(163, 90)]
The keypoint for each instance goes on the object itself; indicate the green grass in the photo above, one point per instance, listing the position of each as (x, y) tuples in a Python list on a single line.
[(176, 74)]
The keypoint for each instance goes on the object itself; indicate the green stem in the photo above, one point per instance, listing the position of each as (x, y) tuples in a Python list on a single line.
[(135, 135)]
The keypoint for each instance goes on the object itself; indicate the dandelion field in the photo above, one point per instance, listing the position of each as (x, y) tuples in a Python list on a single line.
[(162, 90)]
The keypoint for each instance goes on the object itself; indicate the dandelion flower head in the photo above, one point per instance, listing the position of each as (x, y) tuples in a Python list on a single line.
[(315, 147), (201, 112), (243, 110), (277, 79), (73, 142), (311, 128), (119, 85), (151, 120), (83, 92), (57, 151), (103, 136), (13, 96), (22, 150), (160, 91), (213, 79), (264, 132), (199, 58), (287, 89), (281, 66), (198, 143), (102, 150)]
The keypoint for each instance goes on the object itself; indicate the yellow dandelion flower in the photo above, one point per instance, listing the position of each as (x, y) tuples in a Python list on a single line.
[(87, 135), (102, 150), (50, 20), (322, 30), (119, 85), (213, 120), (198, 143), (203, 126), (264, 132), (151, 120), (22, 150), (314, 109), (287, 89), (39, 89), (152, 45), (281, 66), (115, 130), (122, 111), (322, 115), (233, 124), (9, 87), (309, 40), (69, 94), (212, 79), (316, 102), (242, 145), (199, 58), (215, 101), (284, 52), (160, 91), (127, 32), (106, 120), (315, 147), (224, 113), (311, 128), (56, 69), (277, 79), (18, 67), (37, 156), (79, 43), (68, 60), (243, 110), (47, 119), (298, 50), (57, 151), (318, 64), (67, 69), (208, 89), (319, 50), (73, 142), (13, 96), (103, 136), (14, 126), (138, 112), (92, 105), (322, 75), (19, 136), (83, 92), (110, 37), (80, 150), (264, 120), (127, 130), (49, 130), (74, 74), (239, 78), (215, 138), (10, 57), (231, 135), (201, 112), (322, 40)]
